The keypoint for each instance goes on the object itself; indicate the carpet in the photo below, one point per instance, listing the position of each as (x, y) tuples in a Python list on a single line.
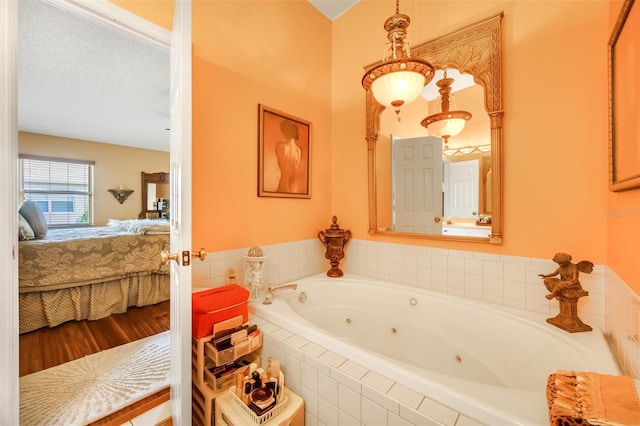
[(90, 388)]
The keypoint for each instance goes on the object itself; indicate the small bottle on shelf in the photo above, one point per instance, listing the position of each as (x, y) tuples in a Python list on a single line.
[(269, 367)]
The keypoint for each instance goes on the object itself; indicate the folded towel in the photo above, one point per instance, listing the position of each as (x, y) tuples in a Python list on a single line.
[(579, 398)]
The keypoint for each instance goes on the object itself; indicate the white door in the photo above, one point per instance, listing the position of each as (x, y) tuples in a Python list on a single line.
[(462, 188), (417, 184), (180, 213), (9, 396)]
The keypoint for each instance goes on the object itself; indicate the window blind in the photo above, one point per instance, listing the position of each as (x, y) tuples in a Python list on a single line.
[(62, 188)]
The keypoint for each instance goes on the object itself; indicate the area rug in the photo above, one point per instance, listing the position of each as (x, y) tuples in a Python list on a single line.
[(90, 388)]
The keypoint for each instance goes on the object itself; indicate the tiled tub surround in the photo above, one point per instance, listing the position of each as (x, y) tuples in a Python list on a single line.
[(508, 281), (392, 350), (501, 280), (623, 324), (285, 262)]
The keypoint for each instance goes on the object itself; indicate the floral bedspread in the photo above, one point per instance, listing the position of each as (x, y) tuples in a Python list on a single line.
[(79, 256)]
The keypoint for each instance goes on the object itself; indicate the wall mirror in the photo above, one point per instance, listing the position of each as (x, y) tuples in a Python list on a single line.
[(155, 195), (474, 50)]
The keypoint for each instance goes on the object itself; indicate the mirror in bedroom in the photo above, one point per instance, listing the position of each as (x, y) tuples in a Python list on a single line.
[(464, 199), (155, 195)]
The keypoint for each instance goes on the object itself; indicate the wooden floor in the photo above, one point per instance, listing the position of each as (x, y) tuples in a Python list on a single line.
[(48, 347)]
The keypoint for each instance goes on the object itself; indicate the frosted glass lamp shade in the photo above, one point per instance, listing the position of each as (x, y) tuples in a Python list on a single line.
[(447, 127), (399, 78), (398, 88), (446, 123)]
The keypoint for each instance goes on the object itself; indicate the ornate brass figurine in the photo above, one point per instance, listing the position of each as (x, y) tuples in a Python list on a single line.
[(567, 290), (334, 239)]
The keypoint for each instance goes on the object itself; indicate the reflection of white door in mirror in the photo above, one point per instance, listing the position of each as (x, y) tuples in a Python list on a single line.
[(461, 186), (417, 184)]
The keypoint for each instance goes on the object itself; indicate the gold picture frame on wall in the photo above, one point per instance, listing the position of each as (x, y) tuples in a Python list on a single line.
[(624, 92), (284, 154)]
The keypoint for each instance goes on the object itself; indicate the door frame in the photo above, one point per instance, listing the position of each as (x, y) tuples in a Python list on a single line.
[(9, 364), (180, 213), (105, 13)]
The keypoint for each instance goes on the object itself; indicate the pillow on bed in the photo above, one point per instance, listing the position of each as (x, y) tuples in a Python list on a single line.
[(24, 229), (32, 213)]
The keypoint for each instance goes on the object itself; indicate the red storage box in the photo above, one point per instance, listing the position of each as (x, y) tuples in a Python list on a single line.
[(218, 304)]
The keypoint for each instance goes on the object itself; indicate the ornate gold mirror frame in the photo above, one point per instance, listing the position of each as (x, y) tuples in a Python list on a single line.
[(624, 167), (476, 50)]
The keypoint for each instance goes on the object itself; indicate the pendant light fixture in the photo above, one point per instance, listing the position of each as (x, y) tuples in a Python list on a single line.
[(399, 79), (447, 123)]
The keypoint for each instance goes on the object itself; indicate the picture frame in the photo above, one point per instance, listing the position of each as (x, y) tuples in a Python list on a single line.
[(284, 154), (624, 91)]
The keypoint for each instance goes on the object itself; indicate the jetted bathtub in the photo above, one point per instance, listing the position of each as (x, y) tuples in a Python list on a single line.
[(483, 361)]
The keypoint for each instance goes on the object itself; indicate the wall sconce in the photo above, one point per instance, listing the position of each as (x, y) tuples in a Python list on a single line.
[(399, 79), (446, 123), (121, 194)]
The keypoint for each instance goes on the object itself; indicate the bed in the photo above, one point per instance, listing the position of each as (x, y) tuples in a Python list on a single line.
[(91, 273)]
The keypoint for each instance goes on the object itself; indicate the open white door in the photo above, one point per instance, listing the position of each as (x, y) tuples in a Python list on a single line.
[(180, 214), (417, 184), (9, 395), (180, 211)]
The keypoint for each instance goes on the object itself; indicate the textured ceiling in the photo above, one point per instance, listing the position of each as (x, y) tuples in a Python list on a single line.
[(80, 80)]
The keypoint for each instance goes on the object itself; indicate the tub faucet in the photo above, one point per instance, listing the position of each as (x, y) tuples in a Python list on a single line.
[(271, 290)]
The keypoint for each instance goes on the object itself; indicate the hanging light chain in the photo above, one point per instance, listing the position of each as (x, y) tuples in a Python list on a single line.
[(399, 79)]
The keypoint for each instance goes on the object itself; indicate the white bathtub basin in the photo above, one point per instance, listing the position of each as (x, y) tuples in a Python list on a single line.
[(483, 361)]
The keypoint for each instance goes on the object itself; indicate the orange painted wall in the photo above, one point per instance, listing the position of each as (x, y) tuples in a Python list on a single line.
[(247, 53), (244, 54), (555, 123), (555, 126), (160, 12), (623, 221)]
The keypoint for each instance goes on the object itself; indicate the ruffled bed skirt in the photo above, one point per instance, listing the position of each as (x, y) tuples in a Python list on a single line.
[(92, 301)]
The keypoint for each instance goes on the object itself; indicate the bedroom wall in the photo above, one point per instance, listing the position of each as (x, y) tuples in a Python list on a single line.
[(115, 165)]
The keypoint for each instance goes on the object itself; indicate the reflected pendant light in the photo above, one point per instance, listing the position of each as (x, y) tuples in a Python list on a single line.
[(447, 123), (398, 79)]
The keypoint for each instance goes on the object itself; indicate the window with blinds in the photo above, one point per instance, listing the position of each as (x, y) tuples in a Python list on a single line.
[(62, 188)]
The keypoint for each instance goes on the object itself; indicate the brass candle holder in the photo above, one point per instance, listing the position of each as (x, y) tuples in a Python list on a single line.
[(334, 239)]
